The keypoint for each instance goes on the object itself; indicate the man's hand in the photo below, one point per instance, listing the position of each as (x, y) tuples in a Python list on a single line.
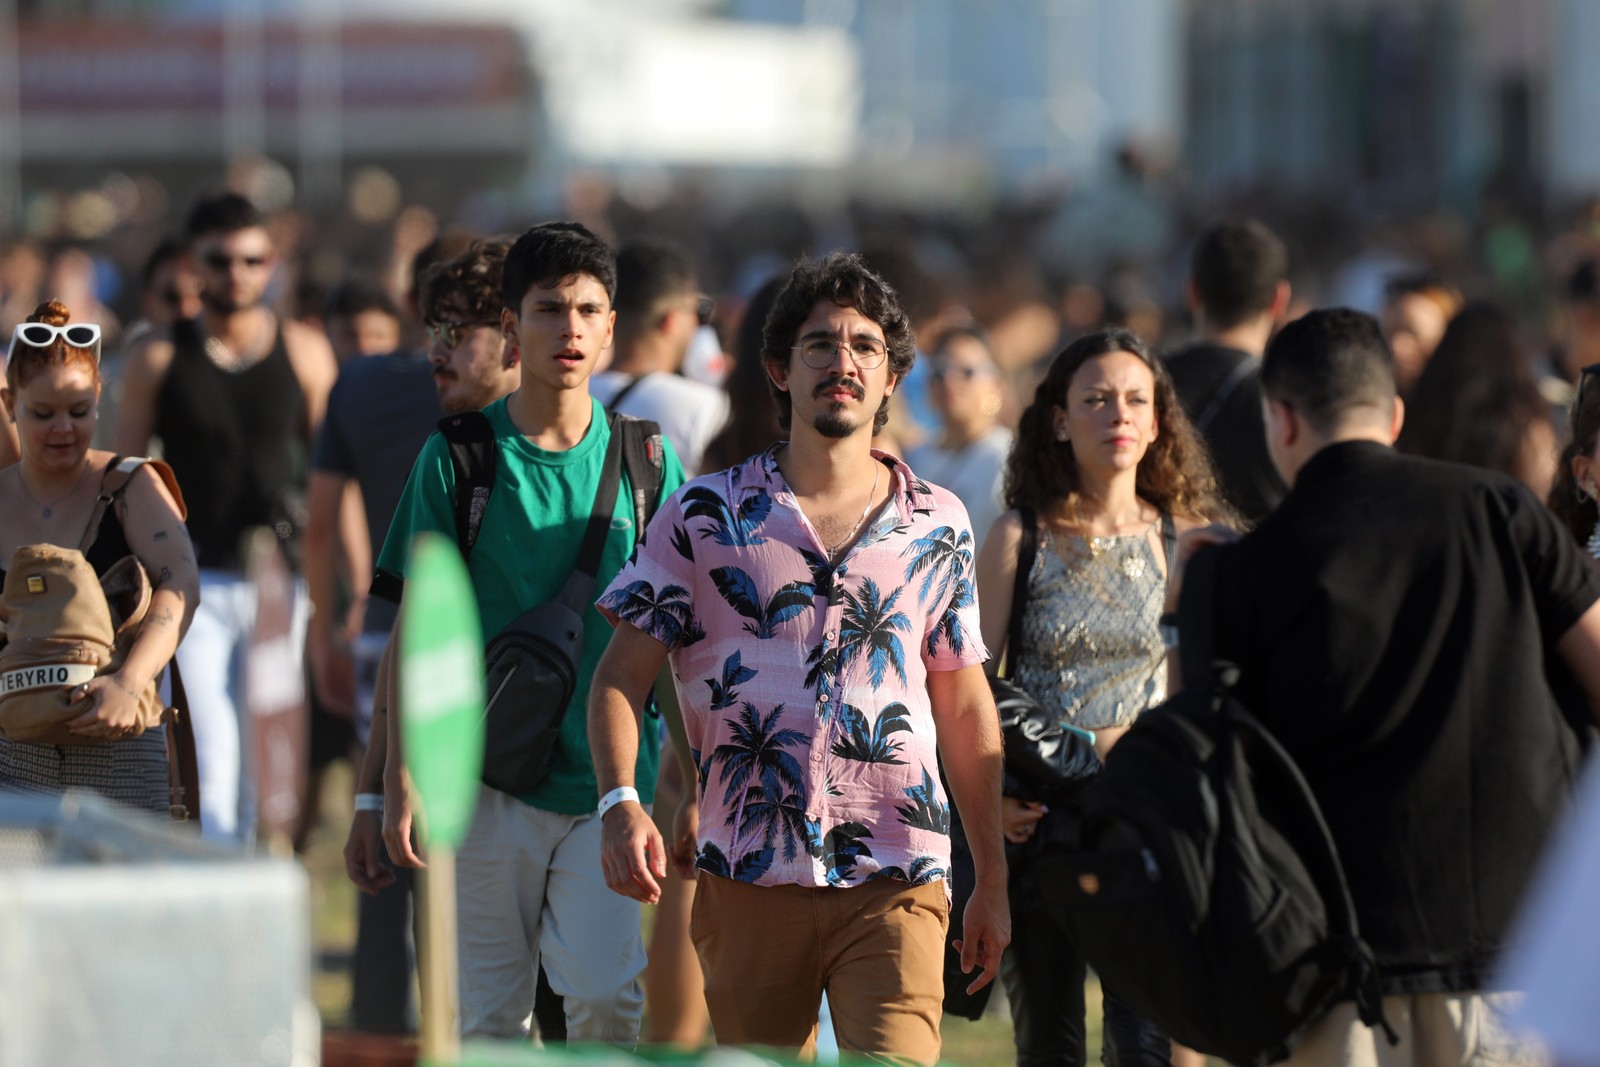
[(986, 925), (399, 830), (361, 860), (685, 837), (631, 853)]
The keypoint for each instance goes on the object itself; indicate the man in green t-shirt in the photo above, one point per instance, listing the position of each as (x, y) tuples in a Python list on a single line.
[(530, 887)]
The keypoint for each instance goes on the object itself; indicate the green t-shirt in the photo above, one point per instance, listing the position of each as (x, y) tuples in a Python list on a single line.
[(527, 546)]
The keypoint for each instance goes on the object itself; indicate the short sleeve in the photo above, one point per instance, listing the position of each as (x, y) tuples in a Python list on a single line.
[(332, 451), (653, 590), (1564, 584), (425, 504), (953, 638)]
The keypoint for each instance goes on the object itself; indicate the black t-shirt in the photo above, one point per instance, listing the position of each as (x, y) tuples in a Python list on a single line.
[(1391, 620), (1235, 432)]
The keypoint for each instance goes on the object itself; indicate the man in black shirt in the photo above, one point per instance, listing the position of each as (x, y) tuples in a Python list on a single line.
[(1391, 621), (1238, 291)]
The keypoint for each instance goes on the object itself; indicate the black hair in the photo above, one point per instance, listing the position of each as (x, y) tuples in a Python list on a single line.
[(752, 425), (648, 273), (1478, 394), (353, 296), (841, 278), (1236, 267), (166, 252), (1327, 363), (223, 213), (551, 253), (1583, 284)]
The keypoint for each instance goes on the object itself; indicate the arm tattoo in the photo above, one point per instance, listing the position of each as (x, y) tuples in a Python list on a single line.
[(159, 617), (165, 576), (161, 535)]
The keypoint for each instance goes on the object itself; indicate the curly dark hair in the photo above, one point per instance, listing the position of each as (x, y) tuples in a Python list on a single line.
[(841, 278), (468, 286), (1175, 474), (1579, 514)]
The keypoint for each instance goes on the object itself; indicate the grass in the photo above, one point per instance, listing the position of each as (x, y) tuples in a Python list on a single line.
[(984, 1043)]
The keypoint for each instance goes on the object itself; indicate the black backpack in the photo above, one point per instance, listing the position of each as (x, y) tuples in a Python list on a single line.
[(531, 665), (1204, 887)]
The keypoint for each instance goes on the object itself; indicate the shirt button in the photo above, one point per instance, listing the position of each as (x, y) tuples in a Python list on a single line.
[(823, 699)]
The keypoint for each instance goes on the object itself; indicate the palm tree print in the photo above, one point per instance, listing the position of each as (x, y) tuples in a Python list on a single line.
[(949, 627), (702, 769), (868, 628), (875, 746), (729, 526), (824, 581), (740, 591), (665, 615), (756, 757), (924, 869), (925, 812), (785, 818), (682, 543), (842, 849), (750, 866), (723, 693), (943, 557)]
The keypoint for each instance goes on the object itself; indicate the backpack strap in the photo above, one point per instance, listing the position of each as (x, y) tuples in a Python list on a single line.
[(579, 588), (1027, 552), (622, 394), (183, 769), (114, 487), (1197, 617), (474, 455), (1169, 541), (642, 454)]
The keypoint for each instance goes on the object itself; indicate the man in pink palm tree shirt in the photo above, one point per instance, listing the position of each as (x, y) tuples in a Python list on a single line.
[(818, 609)]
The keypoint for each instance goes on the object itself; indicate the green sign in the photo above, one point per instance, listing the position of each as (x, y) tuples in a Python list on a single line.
[(441, 687)]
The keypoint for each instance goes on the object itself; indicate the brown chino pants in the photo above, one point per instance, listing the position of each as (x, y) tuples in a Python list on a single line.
[(769, 952)]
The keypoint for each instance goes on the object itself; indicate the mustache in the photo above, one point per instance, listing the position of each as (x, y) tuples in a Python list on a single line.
[(839, 382)]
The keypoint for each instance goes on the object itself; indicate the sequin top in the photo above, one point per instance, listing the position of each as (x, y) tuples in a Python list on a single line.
[(1091, 647)]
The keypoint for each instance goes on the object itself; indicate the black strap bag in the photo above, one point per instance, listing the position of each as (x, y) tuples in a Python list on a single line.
[(532, 664), (1204, 887)]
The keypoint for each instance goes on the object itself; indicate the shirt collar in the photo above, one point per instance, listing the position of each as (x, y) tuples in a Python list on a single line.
[(760, 473)]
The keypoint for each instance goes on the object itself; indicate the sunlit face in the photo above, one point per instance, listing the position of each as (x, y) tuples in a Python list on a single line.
[(472, 367), (234, 268), (366, 333), (841, 399), (55, 412), (963, 383), (561, 331), (1413, 325), (1110, 415)]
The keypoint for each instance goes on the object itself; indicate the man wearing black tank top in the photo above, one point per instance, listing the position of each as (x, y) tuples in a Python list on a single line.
[(235, 397)]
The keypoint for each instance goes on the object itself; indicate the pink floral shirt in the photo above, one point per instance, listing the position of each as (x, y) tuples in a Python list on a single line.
[(804, 686)]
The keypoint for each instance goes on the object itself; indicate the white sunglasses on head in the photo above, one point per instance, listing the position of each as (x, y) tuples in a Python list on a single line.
[(44, 334)]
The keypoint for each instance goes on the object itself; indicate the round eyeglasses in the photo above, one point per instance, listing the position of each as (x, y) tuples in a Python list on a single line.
[(819, 353)]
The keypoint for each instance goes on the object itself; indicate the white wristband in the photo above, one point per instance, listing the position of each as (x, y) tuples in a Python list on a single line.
[(615, 797), (369, 801)]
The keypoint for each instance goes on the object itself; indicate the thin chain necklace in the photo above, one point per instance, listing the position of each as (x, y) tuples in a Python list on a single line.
[(47, 507), (877, 469)]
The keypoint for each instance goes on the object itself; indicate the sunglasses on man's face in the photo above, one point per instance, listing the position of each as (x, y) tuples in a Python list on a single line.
[(221, 261), (44, 334)]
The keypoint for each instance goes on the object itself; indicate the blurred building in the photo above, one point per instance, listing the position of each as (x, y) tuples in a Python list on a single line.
[(1417, 103)]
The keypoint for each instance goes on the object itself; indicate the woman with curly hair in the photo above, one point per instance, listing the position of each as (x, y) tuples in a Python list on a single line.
[(1106, 471)]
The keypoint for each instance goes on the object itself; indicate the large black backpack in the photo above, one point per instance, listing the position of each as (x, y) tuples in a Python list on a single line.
[(1204, 887)]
